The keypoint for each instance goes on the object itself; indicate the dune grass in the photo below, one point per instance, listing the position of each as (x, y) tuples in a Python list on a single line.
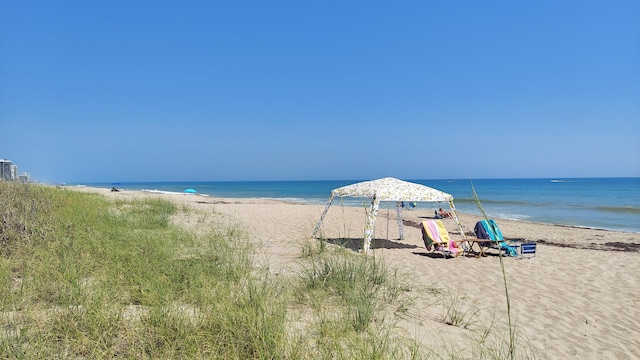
[(512, 339), (83, 276)]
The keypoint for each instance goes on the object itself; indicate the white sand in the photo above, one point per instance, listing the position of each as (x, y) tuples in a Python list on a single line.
[(579, 298)]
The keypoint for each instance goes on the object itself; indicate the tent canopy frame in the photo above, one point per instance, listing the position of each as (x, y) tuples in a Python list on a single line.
[(387, 189)]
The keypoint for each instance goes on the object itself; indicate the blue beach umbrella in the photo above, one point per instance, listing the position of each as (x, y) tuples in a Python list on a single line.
[(190, 191)]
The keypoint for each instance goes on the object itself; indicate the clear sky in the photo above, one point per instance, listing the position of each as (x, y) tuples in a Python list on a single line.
[(101, 91)]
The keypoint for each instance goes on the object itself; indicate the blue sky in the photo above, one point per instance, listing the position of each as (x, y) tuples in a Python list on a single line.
[(104, 91)]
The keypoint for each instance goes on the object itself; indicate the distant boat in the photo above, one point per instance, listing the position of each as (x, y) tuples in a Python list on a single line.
[(561, 181)]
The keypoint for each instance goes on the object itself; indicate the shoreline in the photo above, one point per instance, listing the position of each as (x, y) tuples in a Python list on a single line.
[(408, 215), (302, 201)]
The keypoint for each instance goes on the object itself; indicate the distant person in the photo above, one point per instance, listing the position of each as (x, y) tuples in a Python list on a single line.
[(411, 204), (114, 189), (444, 214)]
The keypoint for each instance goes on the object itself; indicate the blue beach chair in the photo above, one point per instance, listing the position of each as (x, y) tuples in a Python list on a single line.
[(489, 230), (527, 250)]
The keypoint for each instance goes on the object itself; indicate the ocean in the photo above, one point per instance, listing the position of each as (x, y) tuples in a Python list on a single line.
[(603, 203)]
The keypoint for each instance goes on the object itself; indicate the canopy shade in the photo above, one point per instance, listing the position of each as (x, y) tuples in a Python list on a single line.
[(391, 189), (387, 189)]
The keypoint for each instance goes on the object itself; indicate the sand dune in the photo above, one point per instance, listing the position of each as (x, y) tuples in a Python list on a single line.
[(579, 297)]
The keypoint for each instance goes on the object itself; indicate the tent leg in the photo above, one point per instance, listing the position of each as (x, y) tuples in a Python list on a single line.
[(455, 215), (465, 245), (326, 209), (399, 216), (371, 221)]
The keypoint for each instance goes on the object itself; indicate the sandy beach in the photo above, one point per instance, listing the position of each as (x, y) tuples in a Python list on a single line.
[(579, 297)]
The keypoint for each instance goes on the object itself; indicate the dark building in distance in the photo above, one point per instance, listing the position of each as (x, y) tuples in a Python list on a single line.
[(9, 172)]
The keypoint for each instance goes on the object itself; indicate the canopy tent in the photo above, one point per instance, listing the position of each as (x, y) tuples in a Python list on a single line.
[(387, 189)]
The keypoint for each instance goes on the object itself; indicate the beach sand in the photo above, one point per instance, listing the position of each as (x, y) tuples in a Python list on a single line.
[(578, 298)]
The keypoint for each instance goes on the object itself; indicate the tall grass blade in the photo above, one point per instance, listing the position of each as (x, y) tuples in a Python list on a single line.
[(512, 339)]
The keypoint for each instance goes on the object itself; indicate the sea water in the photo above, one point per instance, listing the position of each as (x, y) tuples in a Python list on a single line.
[(605, 203)]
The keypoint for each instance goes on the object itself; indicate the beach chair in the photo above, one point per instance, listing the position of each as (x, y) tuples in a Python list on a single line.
[(489, 230), (436, 238), (527, 250)]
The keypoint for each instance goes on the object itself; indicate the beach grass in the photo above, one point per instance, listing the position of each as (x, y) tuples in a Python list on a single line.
[(512, 343), (88, 277)]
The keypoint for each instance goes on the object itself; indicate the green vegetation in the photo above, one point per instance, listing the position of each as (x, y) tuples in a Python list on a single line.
[(86, 277), (457, 312)]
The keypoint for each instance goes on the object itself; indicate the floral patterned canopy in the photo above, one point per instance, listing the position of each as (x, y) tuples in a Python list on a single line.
[(387, 189), (392, 189)]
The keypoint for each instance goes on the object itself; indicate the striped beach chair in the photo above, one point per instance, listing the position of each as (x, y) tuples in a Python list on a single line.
[(436, 238), (527, 250)]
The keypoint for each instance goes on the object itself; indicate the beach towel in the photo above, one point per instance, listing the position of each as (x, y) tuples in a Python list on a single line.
[(436, 232), (433, 235), (496, 230), (489, 230), (480, 231)]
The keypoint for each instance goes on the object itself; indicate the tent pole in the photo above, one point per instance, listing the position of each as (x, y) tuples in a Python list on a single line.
[(455, 215), (399, 216), (388, 217), (326, 209), (371, 221)]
